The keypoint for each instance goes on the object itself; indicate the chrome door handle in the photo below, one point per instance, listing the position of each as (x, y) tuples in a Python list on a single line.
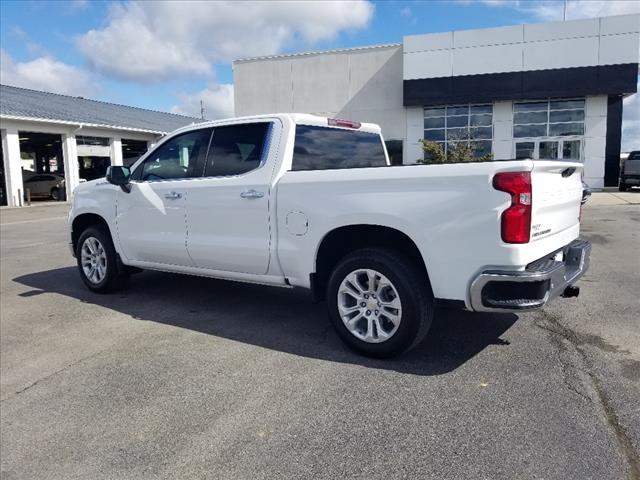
[(252, 194), (172, 195)]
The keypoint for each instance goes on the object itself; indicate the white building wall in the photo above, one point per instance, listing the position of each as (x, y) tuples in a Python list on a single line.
[(12, 167), (70, 158), (503, 130), (576, 43), (412, 148), (595, 133), (358, 84)]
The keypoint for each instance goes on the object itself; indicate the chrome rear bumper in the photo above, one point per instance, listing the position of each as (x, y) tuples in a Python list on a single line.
[(532, 288)]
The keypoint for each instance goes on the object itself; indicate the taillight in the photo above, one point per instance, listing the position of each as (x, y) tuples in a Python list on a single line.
[(516, 220), (338, 122)]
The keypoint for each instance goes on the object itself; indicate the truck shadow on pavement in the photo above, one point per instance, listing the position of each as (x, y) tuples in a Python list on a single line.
[(273, 318)]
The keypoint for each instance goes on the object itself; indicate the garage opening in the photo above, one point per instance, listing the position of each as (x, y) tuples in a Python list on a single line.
[(42, 166), (132, 150), (93, 157)]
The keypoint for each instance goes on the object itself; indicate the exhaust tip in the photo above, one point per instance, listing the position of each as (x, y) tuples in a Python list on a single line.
[(571, 291)]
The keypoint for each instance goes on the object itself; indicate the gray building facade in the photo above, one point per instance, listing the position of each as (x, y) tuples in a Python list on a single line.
[(550, 90)]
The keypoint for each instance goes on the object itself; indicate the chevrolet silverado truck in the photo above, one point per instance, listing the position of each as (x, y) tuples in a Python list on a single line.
[(297, 200)]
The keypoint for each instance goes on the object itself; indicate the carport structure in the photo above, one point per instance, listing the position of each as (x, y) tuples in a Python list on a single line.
[(40, 127)]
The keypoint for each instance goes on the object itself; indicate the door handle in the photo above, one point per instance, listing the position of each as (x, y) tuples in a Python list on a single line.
[(252, 194), (172, 195)]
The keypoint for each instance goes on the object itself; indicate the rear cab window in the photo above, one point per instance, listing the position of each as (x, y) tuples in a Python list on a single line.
[(326, 148)]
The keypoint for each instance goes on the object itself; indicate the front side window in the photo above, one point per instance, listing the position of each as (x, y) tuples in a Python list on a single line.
[(179, 157), (237, 149), (323, 148)]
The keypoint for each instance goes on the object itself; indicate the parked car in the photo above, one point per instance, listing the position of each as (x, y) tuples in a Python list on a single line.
[(44, 185), (303, 201), (630, 172)]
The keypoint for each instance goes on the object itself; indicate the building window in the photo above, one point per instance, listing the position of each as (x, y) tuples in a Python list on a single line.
[(548, 118), (452, 124)]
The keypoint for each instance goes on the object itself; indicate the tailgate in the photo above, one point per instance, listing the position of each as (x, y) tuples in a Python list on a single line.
[(556, 195)]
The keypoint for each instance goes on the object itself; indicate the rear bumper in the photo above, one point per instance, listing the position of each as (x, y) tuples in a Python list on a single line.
[(532, 288), (630, 179)]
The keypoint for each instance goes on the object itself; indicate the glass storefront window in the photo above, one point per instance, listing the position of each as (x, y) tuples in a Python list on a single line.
[(549, 150), (452, 124), (525, 150), (552, 118), (571, 150)]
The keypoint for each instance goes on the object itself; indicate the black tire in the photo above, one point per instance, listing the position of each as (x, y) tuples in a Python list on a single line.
[(116, 274), (622, 187), (55, 194), (412, 287)]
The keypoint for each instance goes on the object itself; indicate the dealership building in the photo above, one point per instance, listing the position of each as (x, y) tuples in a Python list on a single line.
[(549, 90), (46, 136)]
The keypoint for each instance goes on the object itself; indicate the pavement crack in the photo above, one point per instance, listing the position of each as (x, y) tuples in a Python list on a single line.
[(561, 336), (53, 374)]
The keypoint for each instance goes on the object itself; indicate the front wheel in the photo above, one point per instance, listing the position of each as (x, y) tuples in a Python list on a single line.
[(379, 302), (98, 262), (622, 187)]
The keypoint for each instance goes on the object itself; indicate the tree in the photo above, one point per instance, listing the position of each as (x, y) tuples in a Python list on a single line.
[(460, 151)]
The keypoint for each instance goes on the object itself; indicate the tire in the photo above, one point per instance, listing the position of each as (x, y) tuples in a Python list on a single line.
[(374, 334), (55, 194), (108, 273), (622, 187)]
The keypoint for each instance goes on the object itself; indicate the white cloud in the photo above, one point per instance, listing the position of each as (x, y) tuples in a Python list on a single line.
[(553, 10), (149, 41), (45, 73), (217, 101), (405, 12)]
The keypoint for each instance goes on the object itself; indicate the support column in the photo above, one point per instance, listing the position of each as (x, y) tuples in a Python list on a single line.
[(614, 140), (12, 168), (412, 148), (115, 151), (71, 167)]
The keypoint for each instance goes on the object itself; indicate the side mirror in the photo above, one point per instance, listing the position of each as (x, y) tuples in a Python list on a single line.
[(117, 175)]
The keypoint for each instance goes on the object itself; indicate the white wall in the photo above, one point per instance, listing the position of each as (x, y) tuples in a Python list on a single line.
[(412, 148), (357, 84), (595, 140), (503, 130), (576, 43)]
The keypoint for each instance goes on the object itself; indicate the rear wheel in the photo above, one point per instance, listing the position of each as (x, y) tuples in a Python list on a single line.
[(55, 194), (622, 187), (379, 302), (98, 262)]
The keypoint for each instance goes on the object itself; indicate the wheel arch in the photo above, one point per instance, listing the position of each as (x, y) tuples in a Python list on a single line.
[(84, 221), (339, 242)]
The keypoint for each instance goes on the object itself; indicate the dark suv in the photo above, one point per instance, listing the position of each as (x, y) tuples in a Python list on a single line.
[(630, 171)]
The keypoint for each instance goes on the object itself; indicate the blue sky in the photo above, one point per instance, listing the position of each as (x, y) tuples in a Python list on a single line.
[(168, 56)]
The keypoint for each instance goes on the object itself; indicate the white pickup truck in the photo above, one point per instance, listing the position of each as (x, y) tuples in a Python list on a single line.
[(297, 200)]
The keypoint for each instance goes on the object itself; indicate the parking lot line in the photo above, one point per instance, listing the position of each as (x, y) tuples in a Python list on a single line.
[(32, 221)]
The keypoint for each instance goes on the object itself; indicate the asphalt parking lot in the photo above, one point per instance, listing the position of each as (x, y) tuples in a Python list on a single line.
[(181, 377)]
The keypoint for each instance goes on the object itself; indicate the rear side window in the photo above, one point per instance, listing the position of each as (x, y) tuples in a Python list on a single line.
[(322, 148), (236, 149)]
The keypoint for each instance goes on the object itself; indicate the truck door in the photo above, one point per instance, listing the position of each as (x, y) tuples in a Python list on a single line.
[(228, 209), (151, 217)]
